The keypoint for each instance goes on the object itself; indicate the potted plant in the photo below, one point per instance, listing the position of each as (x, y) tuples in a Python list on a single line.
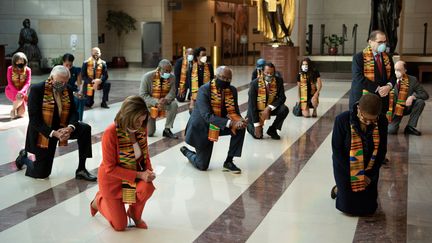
[(121, 23), (333, 41)]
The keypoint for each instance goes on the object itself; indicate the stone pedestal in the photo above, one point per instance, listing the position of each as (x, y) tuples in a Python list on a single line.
[(285, 60), (35, 67)]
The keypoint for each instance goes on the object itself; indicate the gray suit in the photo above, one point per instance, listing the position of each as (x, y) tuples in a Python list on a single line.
[(171, 107), (415, 109), (198, 127)]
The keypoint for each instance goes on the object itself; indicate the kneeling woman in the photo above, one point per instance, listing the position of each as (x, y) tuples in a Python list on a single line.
[(359, 145), (309, 84), (125, 174)]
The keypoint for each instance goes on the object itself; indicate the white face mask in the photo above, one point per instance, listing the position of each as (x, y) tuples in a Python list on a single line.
[(203, 59), (304, 68), (398, 74), (189, 58)]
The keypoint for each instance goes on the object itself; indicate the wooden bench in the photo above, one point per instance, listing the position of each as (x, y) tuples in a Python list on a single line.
[(424, 69)]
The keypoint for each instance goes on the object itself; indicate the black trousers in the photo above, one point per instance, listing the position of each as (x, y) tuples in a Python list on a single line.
[(281, 112), (106, 87), (42, 166), (201, 158)]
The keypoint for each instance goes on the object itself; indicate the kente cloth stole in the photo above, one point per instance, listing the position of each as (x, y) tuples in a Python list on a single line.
[(48, 105), (262, 100), (369, 64), (19, 78), (304, 77), (357, 170), (183, 74), (194, 78), (401, 99), (127, 159), (216, 101), (90, 68), (160, 88)]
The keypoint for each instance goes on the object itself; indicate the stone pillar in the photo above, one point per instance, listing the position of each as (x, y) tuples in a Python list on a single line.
[(285, 60), (90, 26)]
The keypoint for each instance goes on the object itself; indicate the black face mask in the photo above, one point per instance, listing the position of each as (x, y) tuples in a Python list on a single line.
[(222, 84), (21, 65)]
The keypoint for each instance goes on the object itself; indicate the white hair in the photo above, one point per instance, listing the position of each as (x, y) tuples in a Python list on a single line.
[(61, 71), (219, 70)]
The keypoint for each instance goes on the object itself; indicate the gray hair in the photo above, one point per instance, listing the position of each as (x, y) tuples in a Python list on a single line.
[(164, 63), (60, 70), (220, 69), (19, 56)]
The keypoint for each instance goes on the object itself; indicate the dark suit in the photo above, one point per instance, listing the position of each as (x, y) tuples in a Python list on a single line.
[(177, 73), (198, 127), (360, 82), (41, 168), (281, 110), (105, 85), (347, 201), (415, 109)]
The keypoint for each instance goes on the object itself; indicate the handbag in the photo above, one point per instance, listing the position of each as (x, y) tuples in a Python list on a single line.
[(296, 109)]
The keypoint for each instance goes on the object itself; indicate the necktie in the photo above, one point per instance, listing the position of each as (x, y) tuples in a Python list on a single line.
[(379, 63), (398, 84)]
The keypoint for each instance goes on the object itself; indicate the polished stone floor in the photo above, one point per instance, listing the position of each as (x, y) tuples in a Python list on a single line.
[(281, 196)]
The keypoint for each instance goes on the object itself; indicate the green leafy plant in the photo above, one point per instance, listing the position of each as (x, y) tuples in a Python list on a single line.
[(121, 23), (334, 40), (57, 61)]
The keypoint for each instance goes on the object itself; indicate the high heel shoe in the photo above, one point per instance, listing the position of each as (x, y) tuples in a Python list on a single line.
[(93, 211), (138, 223)]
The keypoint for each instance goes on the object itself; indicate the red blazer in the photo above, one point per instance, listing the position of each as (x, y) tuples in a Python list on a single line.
[(111, 174)]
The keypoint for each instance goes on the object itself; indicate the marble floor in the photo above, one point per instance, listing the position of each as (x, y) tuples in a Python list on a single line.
[(281, 196)]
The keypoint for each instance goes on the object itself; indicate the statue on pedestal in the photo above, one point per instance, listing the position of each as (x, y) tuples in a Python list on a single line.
[(28, 42), (282, 11)]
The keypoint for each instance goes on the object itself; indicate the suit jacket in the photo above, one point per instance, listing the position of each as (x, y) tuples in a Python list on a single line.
[(202, 115), (87, 79), (415, 89), (36, 123), (146, 89), (111, 174), (177, 73), (360, 82), (253, 112)]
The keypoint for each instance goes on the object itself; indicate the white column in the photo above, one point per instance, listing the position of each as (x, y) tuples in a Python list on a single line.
[(90, 26)]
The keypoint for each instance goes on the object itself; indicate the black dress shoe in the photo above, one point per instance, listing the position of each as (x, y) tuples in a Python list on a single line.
[(184, 150), (273, 133), (229, 166), (84, 175), (412, 130), (333, 193), (104, 105), (18, 161), (167, 133)]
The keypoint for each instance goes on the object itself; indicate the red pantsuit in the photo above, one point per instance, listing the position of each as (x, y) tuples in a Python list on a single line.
[(110, 175)]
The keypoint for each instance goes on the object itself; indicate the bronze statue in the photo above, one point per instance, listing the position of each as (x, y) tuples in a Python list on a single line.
[(385, 17), (28, 42), (282, 11)]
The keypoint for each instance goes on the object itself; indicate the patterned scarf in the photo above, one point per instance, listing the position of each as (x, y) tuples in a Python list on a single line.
[(401, 99), (160, 88), (357, 170), (262, 100), (216, 102), (183, 73), (90, 68), (194, 78), (48, 105), (128, 161), (369, 64), (304, 77), (19, 78)]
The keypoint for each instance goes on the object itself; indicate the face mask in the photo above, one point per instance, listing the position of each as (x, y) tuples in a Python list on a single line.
[(304, 68), (260, 68), (203, 59), (190, 58), (165, 75), (268, 78), (95, 57), (398, 74), (381, 48), (222, 84), (20, 66), (58, 86)]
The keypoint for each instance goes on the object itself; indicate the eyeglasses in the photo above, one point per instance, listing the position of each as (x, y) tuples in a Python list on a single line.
[(367, 120)]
